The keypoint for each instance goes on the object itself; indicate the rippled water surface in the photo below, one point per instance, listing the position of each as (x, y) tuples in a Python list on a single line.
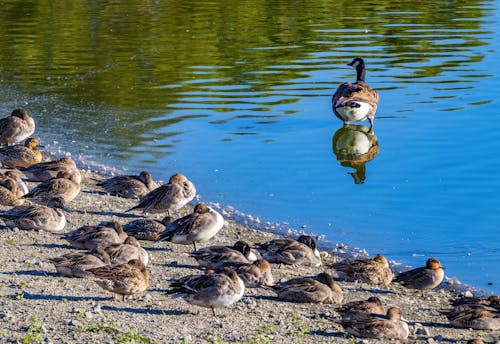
[(236, 95)]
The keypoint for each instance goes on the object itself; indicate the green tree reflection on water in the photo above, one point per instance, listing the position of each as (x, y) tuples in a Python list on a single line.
[(145, 59)]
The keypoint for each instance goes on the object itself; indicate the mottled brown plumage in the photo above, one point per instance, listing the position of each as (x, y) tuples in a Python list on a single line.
[(21, 156), (124, 279), (16, 128), (376, 270), (129, 186), (423, 278), (375, 326), (50, 169), (321, 289), (172, 196)]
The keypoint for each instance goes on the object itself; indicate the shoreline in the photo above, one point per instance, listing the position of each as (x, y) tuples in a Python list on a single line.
[(38, 302)]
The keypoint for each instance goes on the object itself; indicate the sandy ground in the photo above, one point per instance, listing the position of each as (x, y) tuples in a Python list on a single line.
[(39, 305)]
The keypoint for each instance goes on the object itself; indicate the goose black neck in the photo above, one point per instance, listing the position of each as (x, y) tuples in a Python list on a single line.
[(360, 72)]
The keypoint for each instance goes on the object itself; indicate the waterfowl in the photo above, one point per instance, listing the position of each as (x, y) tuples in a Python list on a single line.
[(65, 185), (475, 341), (376, 270), (255, 274), (75, 264), (91, 237), (50, 169), (492, 301), (353, 102), (477, 318), (147, 229), (22, 188), (392, 326), (16, 128), (129, 186), (200, 226), (8, 193), (130, 249), (213, 257), (49, 218), (321, 289), (22, 155), (423, 278), (357, 309), (123, 279), (169, 197), (289, 251), (211, 290)]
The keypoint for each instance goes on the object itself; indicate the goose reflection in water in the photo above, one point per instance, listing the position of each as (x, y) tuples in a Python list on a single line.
[(354, 146)]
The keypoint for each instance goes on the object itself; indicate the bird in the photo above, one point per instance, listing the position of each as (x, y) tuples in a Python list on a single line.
[(492, 301), (391, 326), (477, 318), (168, 197), (290, 251), (91, 237), (20, 156), (423, 278), (75, 264), (376, 270), (22, 188), (355, 309), (147, 229), (8, 193), (129, 186), (16, 128), (64, 185), (475, 341), (49, 218), (123, 279), (200, 226), (213, 257), (49, 169), (321, 289), (255, 274), (353, 102), (130, 249), (211, 290)]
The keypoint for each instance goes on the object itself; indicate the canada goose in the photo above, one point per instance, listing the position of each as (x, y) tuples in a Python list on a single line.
[(353, 102)]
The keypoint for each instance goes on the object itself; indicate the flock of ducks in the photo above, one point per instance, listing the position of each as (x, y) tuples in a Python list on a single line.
[(111, 254)]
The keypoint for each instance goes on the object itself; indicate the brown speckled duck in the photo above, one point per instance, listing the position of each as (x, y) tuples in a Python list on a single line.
[(102, 235), (376, 270), (169, 197), (200, 226), (130, 249), (210, 290), (129, 186), (423, 278), (290, 251), (50, 169), (21, 156), (214, 257), (123, 279), (321, 289), (392, 326), (75, 264), (16, 128), (65, 185), (147, 229)]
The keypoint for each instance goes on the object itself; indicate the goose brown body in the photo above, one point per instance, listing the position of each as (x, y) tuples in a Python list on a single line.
[(355, 101)]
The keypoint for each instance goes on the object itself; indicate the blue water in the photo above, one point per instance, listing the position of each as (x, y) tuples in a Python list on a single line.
[(246, 115)]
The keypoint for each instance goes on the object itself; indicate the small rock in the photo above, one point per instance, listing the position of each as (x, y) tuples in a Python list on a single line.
[(468, 293), (89, 315), (423, 331), (74, 322)]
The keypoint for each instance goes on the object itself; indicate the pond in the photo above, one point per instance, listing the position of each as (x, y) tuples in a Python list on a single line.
[(237, 96)]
